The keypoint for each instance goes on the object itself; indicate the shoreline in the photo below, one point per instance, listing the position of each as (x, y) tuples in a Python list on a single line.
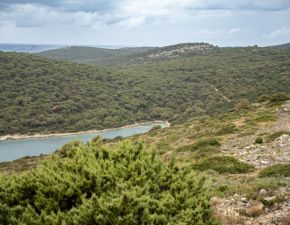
[(10, 137)]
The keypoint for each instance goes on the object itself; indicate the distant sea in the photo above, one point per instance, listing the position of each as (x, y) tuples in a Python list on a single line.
[(29, 48), (34, 48)]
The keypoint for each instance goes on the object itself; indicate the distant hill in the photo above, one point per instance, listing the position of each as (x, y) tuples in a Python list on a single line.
[(126, 56), (46, 95), (92, 55), (283, 46)]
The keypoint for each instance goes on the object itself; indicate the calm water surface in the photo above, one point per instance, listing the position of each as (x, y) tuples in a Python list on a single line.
[(14, 149)]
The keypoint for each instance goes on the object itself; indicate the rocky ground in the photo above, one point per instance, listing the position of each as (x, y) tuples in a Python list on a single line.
[(267, 153), (266, 207)]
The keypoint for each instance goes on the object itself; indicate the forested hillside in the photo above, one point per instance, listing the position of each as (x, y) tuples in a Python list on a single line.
[(45, 95), (91, 55), (127, 56)]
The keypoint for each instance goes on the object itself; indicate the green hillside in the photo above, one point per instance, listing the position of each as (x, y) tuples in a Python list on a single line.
[(91, 55), (205, 169), (126, 56), (282, 46), (45, 95)]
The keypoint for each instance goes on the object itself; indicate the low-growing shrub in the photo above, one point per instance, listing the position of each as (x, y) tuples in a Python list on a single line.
[(259, 140), (278, 98), (125, 184), (68, 149), (223, 164), (266, 117), (276, 170), (228, 129), (199, 143), (205, 152), (274, 99)]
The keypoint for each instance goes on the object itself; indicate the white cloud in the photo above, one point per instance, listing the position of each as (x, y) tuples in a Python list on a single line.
[(280, 33), (234, 30), (132, 22)]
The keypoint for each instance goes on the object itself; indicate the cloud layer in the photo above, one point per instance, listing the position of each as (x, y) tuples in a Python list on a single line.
[(144, 21)]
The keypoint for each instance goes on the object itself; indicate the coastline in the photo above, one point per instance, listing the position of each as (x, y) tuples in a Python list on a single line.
[(39, 135)]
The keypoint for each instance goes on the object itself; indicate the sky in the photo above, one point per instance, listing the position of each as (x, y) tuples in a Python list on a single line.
[(145, 22)]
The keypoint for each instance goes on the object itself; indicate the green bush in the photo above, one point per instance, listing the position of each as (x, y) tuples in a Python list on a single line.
[(228, 129), (125, 184), (278, 98), (275, 99), (199, 143), (266, 117), (223, 164), (259, 140), (276, 170)]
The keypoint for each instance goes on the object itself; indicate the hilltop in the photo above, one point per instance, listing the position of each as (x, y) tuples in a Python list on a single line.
[(126, 56), (282, 46), (92, 55)]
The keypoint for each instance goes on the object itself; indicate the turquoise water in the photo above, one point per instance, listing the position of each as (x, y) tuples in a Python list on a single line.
[(14, 149)]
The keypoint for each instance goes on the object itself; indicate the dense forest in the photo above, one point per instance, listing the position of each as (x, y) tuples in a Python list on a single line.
[(46, 95)]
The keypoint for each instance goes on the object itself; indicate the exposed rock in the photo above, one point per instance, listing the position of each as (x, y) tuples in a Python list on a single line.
[(254, 208), (245, 200), (263, 192), (231, 213), (283, 141), (269, 200)]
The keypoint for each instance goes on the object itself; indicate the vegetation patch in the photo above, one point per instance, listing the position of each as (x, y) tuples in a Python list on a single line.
[(228, 129), (275, 99), (223, 164), (199, 143), (259, 140), (276, 171), (273, 136), (266, 117), (96, 184), (205, 152)]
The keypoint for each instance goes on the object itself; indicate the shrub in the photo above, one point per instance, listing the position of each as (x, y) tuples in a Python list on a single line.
[(124, 184), (276, 170), (242, 105), (275, 99), (223, 164), (68, 149), (228, 129), (266, 117), (199, 143), (259, 140), (278, 98)]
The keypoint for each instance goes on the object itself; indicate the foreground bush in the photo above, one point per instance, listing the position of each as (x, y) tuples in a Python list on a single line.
[(223, 164), (276, 170), (93, 184)]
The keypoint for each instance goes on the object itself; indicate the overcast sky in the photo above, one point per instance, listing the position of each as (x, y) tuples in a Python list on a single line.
[(145, 22)]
